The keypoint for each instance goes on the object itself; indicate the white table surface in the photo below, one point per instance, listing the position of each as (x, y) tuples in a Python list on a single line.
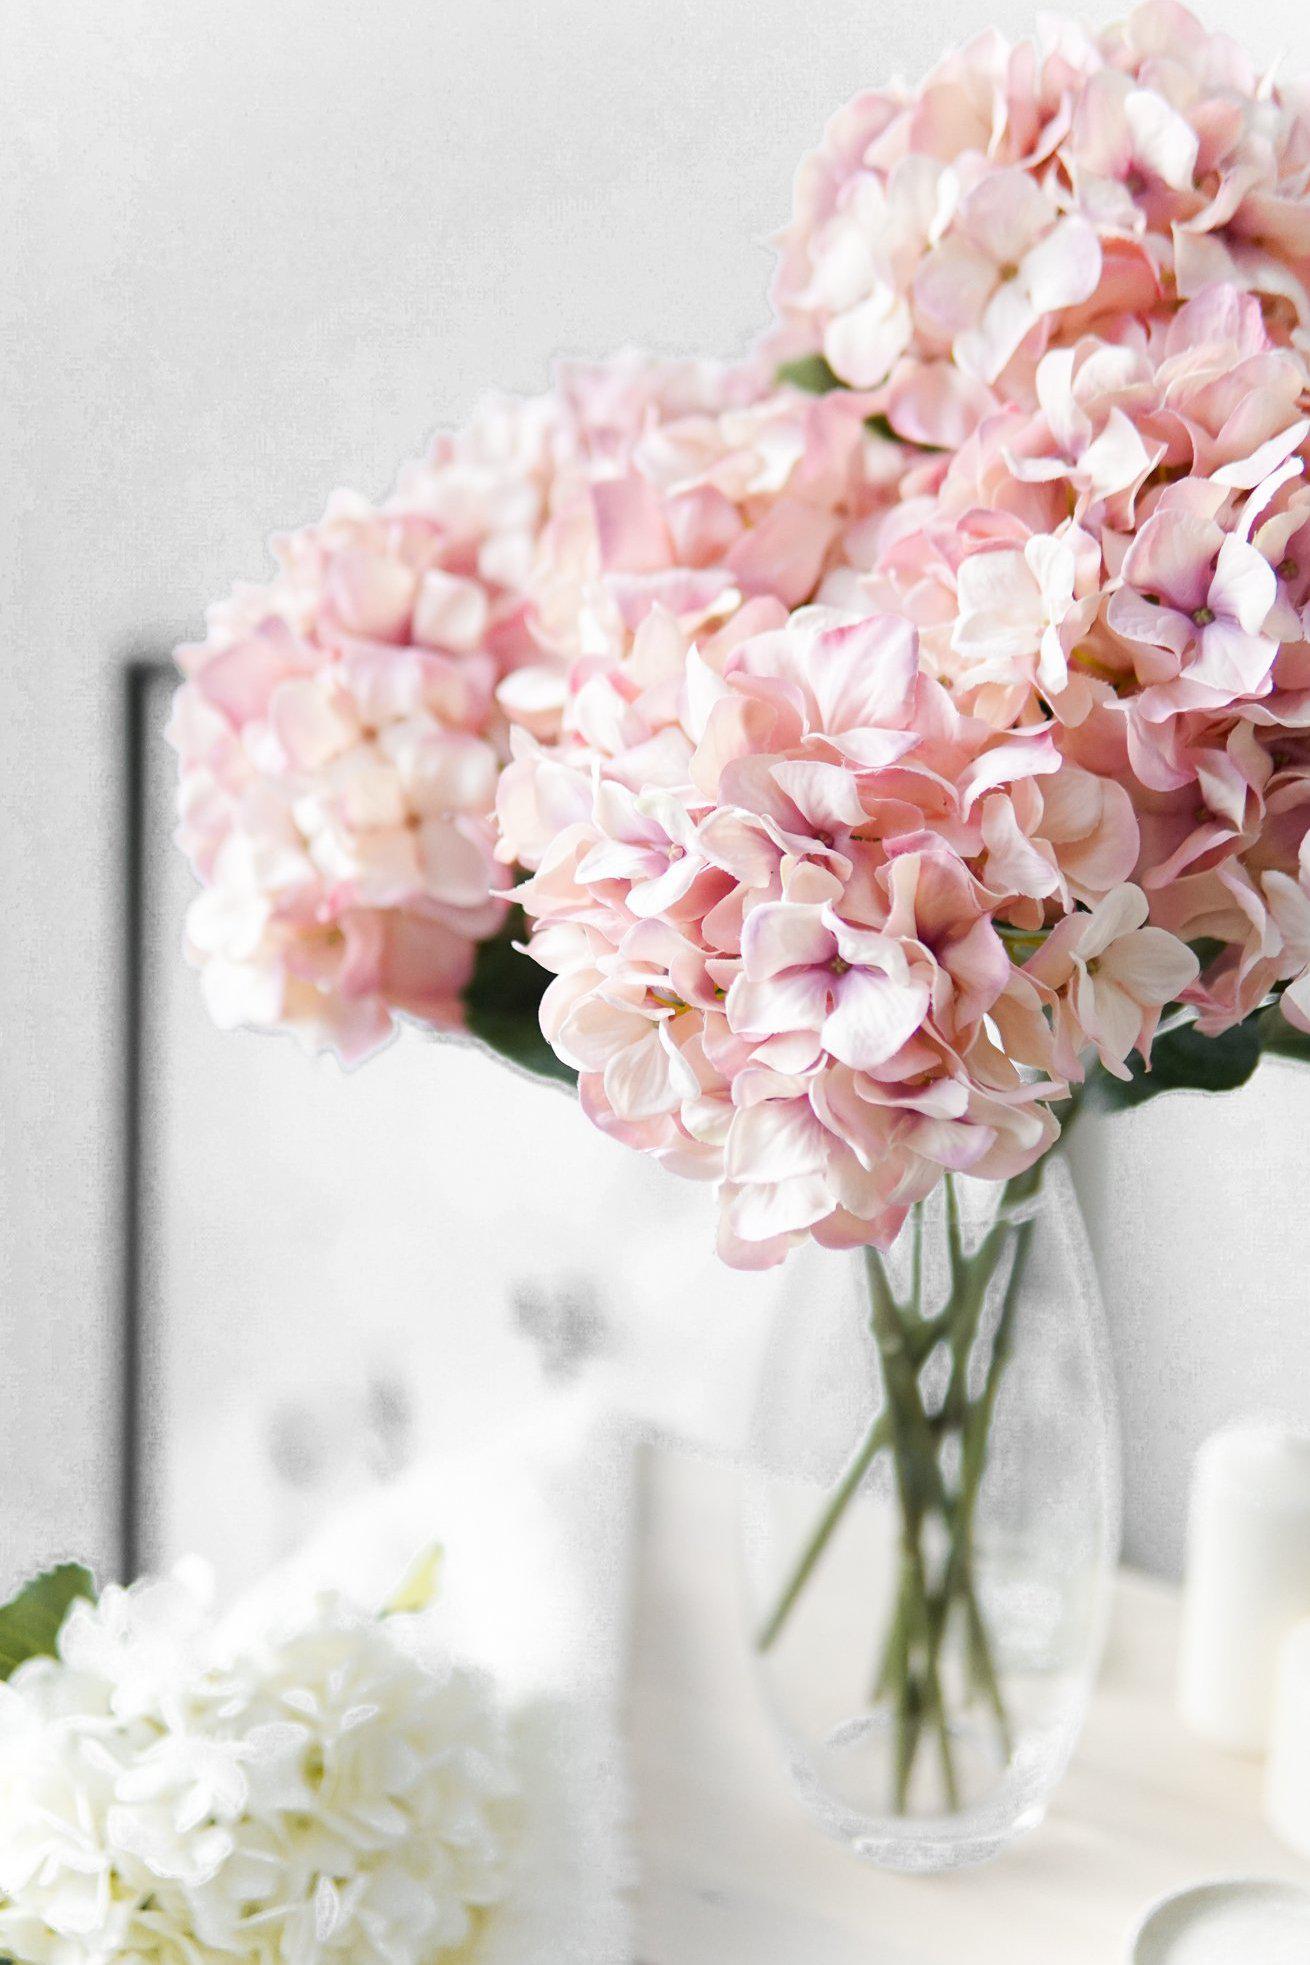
[(735, 1874)]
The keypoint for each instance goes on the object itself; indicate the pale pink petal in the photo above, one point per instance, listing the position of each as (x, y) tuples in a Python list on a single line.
[(796, 1000), (776, 1140), (863, 344), (780, 936), (1122, 910), (450, 612), (1009, 316), (1117, 1022), (637, 1080), (313, 723), (762, 1210), (1173, 557), (630, 528), (1152, 966), (872, 1017), (454, 868), (1163, 141), (1063, 268), (864, 673), (1244, 585), (1231, 661), (953, 286), (371, 595), (1006, 214)]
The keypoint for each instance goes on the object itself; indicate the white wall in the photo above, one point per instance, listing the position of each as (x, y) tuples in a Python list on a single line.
[(254, 248)]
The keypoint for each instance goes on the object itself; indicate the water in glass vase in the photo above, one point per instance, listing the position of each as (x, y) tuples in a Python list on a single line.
[(931, 1521)]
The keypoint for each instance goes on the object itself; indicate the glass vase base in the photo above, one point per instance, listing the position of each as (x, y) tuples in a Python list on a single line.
[(841, 1786), (927, 1857)]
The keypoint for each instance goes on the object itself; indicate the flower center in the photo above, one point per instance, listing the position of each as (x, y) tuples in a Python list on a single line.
[(668, 999), (1203, 616), (839, 966), (1008, 272)]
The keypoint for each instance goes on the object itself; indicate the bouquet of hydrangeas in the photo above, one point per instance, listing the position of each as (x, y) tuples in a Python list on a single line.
[(841, 760)]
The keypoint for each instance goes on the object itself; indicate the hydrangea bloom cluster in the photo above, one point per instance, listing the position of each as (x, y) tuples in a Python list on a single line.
[(339, 745), (882, 751), (325, 1795), (341, 728), (837, 901)]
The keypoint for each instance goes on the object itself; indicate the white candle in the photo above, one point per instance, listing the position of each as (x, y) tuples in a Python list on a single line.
[(1287, 1774), (1248, 1579)]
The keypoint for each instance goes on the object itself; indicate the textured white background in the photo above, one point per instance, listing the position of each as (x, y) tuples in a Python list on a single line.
[(250, 250)]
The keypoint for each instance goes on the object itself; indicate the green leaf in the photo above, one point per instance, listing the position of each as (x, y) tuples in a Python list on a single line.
[(503, 1001), (31, 1622), (420, 1586), (812, 374), (1207, 950), (1280, 1038), (1184, 1061)]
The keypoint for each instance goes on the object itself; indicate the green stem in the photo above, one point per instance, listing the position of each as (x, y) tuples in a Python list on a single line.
[(877, 1437), (915, 1684), (931, 1599)]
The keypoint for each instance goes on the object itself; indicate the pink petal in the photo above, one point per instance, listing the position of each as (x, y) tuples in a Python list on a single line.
[(953, 285), (1147, 624), (1117, 1024), (1010, 315), (450, 612), (776, 1140), (872, 1017), (1006, 762), (784, 553), (1152, 966), (630, 527), (638, 1081), (1234, 663), (864, 673), (311, 723), (936, 403), (1122, 910), (1173, 556), (1163, 141), (1062, 269), (864, 344), (372, 596), (1006, 214), (797, 1000), (1244, 587), (455, 869), (780, 936), (761, 1211)]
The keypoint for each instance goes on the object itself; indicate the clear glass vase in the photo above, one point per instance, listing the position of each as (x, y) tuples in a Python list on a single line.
[(931, 1521)]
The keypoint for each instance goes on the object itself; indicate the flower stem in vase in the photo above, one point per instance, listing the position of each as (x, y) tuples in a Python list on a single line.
[(941, 1374)]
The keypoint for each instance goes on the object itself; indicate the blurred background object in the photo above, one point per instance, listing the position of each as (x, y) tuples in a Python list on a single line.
[(252, 253)]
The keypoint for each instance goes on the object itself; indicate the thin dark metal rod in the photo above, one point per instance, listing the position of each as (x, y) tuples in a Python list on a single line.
[(139, 678)]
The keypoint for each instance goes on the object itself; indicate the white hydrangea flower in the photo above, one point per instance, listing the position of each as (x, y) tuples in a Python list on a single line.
[(325, 1794)]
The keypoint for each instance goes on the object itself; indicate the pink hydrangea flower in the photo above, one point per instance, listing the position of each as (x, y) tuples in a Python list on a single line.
[(339, 743), (841, 897), (943, 237), (807, 1017), (341, 730), (874, 754)]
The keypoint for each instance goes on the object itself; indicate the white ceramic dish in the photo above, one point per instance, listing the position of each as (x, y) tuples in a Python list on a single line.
[(1236, 1921)]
